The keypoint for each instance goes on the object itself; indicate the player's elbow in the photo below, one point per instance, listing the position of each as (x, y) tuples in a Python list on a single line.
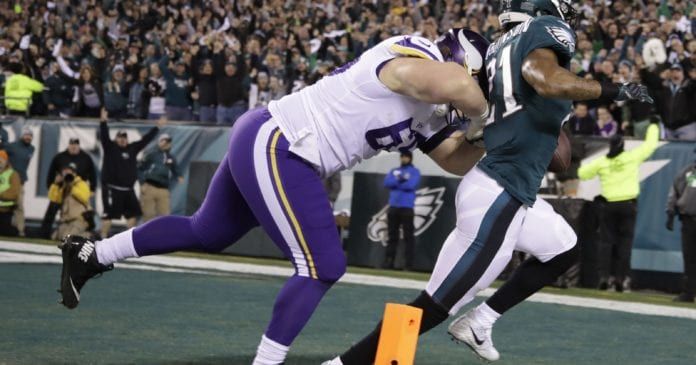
[(545, 90)]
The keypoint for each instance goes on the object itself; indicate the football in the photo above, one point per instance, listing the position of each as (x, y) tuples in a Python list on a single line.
[(561, 156)]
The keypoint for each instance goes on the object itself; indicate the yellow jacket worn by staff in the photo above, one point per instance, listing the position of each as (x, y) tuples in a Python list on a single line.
[(619, 175), (18, 90), (10, 186)]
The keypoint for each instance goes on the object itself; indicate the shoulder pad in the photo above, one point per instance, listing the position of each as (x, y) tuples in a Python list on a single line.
[(414, 46)]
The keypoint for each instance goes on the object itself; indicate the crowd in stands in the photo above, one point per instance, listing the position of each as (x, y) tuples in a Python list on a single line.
[(211, 60)]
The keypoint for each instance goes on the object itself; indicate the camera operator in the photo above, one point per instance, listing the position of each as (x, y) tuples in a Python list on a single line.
[(84, 169), (72, 194)]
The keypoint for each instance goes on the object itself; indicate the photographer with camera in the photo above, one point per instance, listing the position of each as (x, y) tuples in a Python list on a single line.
[(72, 194)]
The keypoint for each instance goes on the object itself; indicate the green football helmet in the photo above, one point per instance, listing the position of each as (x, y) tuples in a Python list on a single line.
[(518, 11)]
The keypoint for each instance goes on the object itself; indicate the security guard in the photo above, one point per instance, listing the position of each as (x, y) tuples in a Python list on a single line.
[(682, 203), (618, 175), (19, 89)]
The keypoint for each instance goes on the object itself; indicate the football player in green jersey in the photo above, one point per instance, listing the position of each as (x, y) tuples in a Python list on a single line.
[(530, 92)]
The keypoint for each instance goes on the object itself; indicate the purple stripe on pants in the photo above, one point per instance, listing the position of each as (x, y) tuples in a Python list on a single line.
[(244, 193)]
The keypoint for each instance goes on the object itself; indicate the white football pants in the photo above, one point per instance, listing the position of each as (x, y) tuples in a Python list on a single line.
[(491, 224)]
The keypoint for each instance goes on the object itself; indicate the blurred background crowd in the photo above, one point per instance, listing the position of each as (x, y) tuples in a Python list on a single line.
[(211, 60)]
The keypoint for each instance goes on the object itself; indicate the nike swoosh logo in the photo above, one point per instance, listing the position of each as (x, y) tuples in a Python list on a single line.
[(478, 342)]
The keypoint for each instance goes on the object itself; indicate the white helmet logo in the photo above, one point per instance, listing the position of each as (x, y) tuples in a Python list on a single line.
[(472, 57)]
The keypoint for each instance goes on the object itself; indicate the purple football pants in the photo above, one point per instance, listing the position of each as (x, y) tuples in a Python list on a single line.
[(261, 182)]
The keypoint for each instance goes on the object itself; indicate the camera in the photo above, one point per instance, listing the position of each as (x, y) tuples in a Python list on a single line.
[(69, 178)]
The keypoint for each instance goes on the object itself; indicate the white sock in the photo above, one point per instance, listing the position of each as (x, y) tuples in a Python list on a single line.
[(116, 248), (270, 352), (485, 315)]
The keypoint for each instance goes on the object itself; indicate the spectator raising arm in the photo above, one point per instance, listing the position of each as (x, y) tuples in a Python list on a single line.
[(149, 136), (106, 141), (64, 67)]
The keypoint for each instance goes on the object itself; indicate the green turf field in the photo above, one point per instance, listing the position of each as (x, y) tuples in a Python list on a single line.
[(150, 317)]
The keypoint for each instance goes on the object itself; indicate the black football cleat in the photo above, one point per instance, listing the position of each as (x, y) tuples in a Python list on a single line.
[(79, 265)]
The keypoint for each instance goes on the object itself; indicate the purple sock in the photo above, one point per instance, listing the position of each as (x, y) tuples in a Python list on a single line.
[(294, 306), (165, 235)]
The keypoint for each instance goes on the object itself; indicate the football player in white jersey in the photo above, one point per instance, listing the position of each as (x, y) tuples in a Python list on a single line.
[(271, 174)]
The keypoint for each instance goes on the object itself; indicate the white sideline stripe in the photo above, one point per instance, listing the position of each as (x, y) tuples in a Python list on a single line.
[(24, 258), (13, 252)]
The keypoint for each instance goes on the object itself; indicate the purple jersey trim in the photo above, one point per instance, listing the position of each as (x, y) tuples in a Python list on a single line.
[(406, 42), (379, 67), (343, 68)]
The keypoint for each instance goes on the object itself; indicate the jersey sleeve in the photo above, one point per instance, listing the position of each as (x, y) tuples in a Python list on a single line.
[(431, 133), (414, 46), (552, 33)]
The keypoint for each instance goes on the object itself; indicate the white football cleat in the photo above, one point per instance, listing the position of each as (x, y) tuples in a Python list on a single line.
[(465, 329), (336, 361)]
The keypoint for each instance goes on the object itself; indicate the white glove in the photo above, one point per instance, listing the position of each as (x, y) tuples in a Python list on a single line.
[(24, 42), (474, 134)]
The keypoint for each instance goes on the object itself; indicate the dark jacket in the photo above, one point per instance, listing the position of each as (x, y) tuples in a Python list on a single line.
[(159, 168), (116, 98), (20, 154), (84, 164), (137, 102), (230, 89), (682, 195), (59, 91), (586, 126), (178, 90), (120, 167), (675, 108), (207, 86)]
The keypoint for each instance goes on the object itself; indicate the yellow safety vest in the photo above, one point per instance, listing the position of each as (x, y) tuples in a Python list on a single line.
[(18, 90), (5, 177), (619, 175)]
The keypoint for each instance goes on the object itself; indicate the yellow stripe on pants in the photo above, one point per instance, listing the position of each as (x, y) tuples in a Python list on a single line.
[(288, 208)]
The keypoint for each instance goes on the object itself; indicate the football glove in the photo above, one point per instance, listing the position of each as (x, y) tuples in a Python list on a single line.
[(474, 133), (633, 91)]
